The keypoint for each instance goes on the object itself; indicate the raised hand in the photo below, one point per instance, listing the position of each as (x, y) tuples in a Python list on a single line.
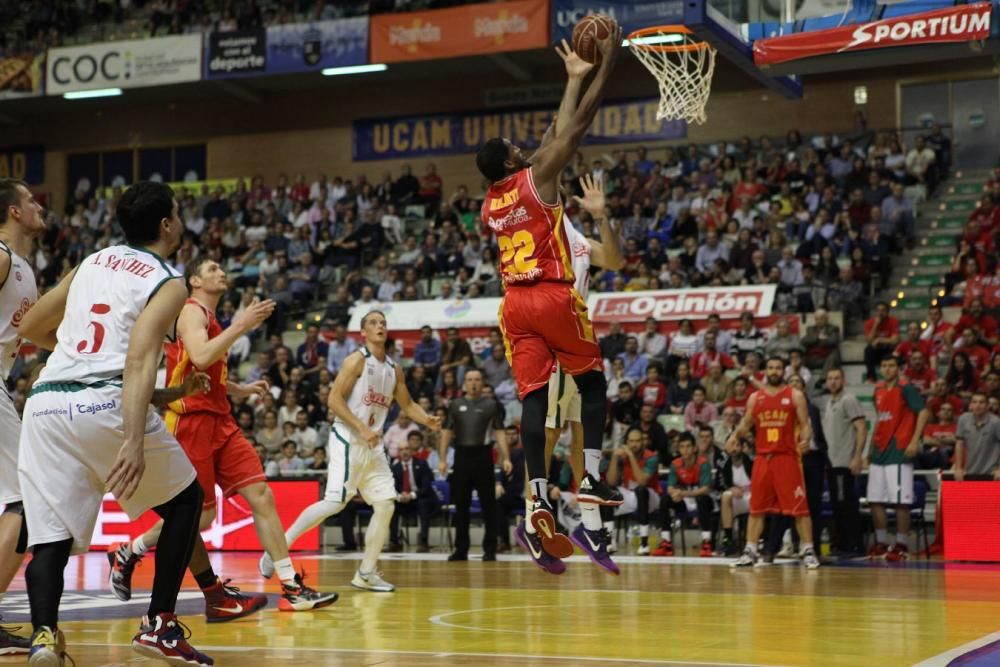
[(254, 314), (593, 200), (576, 67), (611, 47), (196, 383)]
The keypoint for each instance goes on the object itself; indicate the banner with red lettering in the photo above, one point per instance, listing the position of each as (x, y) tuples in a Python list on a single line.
[(961, 23), (232, 529)]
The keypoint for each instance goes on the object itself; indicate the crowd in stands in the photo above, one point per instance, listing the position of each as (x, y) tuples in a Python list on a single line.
[(813, 218)]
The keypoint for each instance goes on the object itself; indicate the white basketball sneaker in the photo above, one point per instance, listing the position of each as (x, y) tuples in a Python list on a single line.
[(372, 581)]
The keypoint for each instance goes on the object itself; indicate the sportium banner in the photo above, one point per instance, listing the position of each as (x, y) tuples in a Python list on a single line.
[(631, 14), (128, 64), (447, 134), (469, 30), (962, 23)]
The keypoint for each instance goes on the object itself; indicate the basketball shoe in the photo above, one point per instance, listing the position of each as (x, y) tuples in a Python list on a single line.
[(543, 521), (594, 543), (878, 551), (165, 638), (48, 648), (372, 581), (809, 559), (706, 549), (122, 562), (532, 543), (226, 603), (897, 554), (299, 597), (11, 644), (595, 491), (665, 548), (747, 559)]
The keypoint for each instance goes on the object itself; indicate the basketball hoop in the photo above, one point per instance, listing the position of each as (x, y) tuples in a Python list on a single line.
[(682, 65)]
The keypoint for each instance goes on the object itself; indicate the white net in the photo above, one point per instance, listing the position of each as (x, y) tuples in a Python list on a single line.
[(683, 67)]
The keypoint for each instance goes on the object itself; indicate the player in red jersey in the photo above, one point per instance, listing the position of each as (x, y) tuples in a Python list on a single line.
[(205, 428), (543, 318), (782, 433)]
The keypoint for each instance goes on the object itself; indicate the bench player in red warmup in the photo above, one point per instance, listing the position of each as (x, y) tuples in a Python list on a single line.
[(782, 433), (543, 318)]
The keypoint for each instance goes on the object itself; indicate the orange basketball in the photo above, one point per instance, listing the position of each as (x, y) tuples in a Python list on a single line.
[(588, 32)]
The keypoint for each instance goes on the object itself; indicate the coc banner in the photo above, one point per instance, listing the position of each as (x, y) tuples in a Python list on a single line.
[(305, 47), (128, 64), (448, 134), (469, 30), (21, 75), (231, 530), (630, 14)]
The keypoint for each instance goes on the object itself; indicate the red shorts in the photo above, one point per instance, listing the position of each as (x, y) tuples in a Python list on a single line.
[(218, 451), (542, 323), (778, 486)]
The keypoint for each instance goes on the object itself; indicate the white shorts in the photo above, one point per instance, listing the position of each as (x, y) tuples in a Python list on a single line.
[(69, 444), (354, 466), (10, 433), (890, 484), (631, 504), (741, 505), (564, 400)]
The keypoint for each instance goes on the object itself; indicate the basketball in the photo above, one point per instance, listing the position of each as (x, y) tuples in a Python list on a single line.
[(588, 32)]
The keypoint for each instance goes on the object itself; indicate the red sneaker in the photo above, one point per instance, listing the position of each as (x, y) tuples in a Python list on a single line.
[(165, 638), (664, 549), (878, 551), (897, 554), (226, 603), (706, 549)]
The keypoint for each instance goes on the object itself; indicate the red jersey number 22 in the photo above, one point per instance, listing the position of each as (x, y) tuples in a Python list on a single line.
[(518, 248), (95, 345)]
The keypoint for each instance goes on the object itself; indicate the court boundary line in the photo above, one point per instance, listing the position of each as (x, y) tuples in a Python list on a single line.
[(945, 658), (463, 654)]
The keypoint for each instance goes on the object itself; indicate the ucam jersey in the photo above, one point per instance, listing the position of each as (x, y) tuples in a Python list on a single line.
[(372, 394), (530, 233), (18, 293), (579, 247), (109, 291)]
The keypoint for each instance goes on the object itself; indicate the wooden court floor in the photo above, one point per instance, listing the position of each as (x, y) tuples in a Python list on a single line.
[(683, 612)]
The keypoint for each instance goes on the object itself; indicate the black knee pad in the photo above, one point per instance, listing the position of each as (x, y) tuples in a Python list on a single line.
[(16, 507), (642, 493), (592, 383)]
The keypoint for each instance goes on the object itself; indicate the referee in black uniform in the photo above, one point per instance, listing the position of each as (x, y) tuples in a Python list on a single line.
[(469, 418)]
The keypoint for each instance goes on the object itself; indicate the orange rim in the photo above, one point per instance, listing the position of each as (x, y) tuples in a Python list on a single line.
[(666, 30)]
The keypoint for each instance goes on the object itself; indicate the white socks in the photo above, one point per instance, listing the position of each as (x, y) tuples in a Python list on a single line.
[(881, 535), (665, 535), (706, 535), (592, 462), (138, 547), (591, 515), (644, 530), (378, 531), (285, 570), (904, 539)]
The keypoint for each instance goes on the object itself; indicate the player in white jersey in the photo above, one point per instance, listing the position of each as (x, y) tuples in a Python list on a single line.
[(21, 221), (564, 399), (360, 399), (88, 424)]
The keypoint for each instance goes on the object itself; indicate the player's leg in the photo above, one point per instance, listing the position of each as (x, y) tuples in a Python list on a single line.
[(878, 498), (376, 483), (340, 489), (44, 579), (668, 508), (790, 485), (11, 527), (461, 495), (763, 499), (531, 362), (705, 511), (901, 489), (484, 481)]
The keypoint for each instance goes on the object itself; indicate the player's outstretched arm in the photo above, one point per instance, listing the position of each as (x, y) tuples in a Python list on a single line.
[(549, 162), (40, 323), (141, 363), (606, 253), (192, 327), (195, 383), (410, 407), (576, 71)]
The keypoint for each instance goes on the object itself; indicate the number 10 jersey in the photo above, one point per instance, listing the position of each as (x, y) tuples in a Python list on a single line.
[(109, 291)]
